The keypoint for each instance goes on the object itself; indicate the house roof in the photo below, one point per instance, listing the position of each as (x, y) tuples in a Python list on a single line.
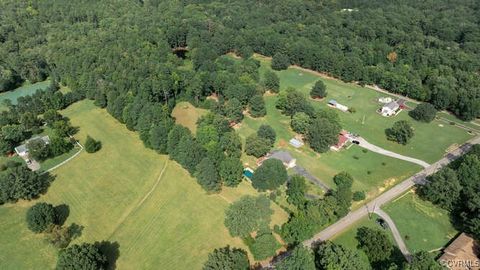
[(296, 143), (463, 248), (342, 139), (332, 101), (391, 105), (283, 156), (21, 148)]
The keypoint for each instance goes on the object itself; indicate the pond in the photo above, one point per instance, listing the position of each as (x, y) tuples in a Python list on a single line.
[(22, 91)]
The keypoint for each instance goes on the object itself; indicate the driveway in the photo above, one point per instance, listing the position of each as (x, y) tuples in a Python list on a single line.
[(303, 172), (396, 234), (363, 143)]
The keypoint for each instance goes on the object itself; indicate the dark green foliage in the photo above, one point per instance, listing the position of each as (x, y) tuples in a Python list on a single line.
[(343, 180), (59, 146), (227, 258), (159, 136), (257, 146), (80, 257), (322, 134), (207, 136), (296, 190), (319, 90), (188, 153), (247, 215), (280, 61), (424, 112), (267, 132), (270, 175), (9, 79), (231, 144), (423, 260), (271, 81), (63, 128), (358, 196), (231, 171), (40, 216), (264, 245), (174, 137), (21, 183), (332, 256), (292, 101), (301, 122), (301, 258), (401, 132), (443, 189), (207, 176), (91, 145), (234, 110), (375, 243), (38, 149), (257, 106)]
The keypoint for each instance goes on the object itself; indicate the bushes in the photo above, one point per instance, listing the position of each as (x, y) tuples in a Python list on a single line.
[(40, 216), (271, 82), (91, 145), (424, 112), (82, 256), (319, 90), (21, 183), (227, 258), (280, 61), (401, 132)]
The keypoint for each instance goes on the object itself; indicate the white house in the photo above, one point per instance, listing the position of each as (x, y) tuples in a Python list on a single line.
[(390, 109), (337, 105)]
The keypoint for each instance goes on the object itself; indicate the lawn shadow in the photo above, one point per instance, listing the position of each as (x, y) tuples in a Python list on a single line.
[(62, 212), (111, 250)]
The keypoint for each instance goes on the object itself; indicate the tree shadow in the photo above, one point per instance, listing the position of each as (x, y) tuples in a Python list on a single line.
[(111, 250), (62, 212)]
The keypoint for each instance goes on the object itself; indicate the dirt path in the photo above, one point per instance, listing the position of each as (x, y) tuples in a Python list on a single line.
[(140, 203)]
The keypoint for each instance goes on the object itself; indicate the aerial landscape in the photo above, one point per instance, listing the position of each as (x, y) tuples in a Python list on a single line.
[(241, 134)]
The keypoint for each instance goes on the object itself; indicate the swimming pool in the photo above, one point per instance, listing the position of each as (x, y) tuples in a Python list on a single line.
[(248, 173)]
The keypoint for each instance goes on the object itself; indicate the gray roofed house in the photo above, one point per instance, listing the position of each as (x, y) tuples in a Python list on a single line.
[(22, 150), (390, 108), (284, 157)]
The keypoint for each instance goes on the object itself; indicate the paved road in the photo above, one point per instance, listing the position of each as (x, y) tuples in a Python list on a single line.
[(389, 195), (303, 172), (396, 234), (379, 150)]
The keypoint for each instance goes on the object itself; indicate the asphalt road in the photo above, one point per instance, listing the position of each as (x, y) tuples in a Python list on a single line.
[(389, 195)]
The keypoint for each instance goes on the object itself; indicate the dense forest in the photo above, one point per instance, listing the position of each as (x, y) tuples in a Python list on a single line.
[(119, 52)]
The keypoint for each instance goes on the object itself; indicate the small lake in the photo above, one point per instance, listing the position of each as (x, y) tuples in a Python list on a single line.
[(22, 91)]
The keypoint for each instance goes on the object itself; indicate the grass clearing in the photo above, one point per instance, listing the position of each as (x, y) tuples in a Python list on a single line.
[(187, 115), (423, 225), (430, 140), (125, 193)]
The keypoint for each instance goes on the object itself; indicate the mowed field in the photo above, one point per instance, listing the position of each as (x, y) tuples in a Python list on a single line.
[(423, 225), (429, 143), (143, 202), (186, 114)]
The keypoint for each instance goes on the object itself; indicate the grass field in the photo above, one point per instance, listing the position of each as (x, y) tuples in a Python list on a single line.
[(149, 205), (426, 226), (430, 140), (187, 115), (25, 90)]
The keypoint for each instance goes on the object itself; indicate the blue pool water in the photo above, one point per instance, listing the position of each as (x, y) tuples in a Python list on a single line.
[(248, 173)]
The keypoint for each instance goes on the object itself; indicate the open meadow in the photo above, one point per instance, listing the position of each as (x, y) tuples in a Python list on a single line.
[(423, 225), (126, 194)]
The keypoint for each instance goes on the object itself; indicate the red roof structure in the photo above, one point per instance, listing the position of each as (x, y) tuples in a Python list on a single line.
[(342, 140)]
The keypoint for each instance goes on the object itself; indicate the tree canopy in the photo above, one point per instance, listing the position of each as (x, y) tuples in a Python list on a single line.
[(227, 258), (81, 256), (40, 216), (401, 132), (247, 215), (270, 175)]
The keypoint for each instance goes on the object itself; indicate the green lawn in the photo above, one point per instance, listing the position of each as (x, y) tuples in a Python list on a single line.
[(25, 90), (125, 193), (430, 141), (186, 114), (423, 225)]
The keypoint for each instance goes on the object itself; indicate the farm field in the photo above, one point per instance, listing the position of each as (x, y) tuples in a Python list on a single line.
[(423, 225), (373, 173), (131, 196), (186, 114), (25, 90), (429, 143)]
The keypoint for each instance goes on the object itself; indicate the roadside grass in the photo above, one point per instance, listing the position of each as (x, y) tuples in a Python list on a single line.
[(423, 225), (24, 90), (429, 143), (125, 193), (187, 115)]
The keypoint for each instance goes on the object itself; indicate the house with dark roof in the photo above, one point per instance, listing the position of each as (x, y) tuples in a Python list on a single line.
[(284, 156)]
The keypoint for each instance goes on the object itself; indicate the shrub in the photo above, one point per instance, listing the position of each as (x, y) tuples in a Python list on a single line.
[(91, 145), (424, 112), (280, 61), (40, 217), (358, 196), (319, 90)]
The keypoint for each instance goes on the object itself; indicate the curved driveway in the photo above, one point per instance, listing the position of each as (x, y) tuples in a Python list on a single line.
[(379, 150), (419, 178), (396, 234)]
